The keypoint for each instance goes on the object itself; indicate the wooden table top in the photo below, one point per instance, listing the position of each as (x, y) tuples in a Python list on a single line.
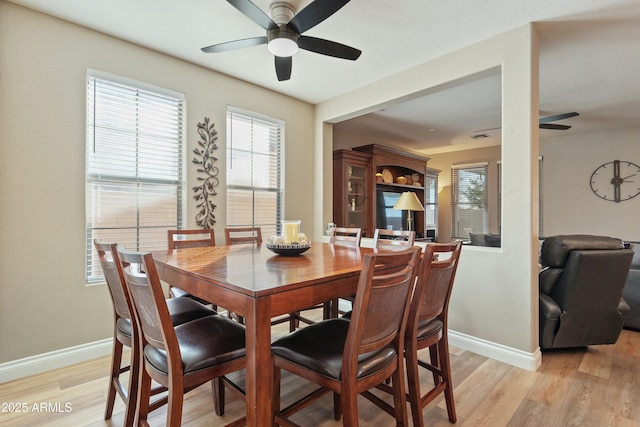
[(256, 271)]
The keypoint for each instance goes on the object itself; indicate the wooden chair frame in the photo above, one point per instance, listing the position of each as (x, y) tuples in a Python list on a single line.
[(204, 237), (429, 305), (139, 271), (247, 235), (393, 240), (207, 238), (110, 262), (345, 236), (379, 320)]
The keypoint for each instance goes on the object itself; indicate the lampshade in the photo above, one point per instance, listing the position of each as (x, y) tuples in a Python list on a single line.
[(408, 201)]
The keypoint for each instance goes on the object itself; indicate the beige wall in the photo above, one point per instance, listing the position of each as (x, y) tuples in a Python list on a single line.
[(44, 302), (570, 207)]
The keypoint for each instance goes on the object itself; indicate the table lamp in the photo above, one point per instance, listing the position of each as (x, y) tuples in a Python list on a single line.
[(409, 201)]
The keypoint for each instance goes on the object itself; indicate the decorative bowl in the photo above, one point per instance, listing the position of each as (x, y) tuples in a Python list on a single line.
[(289, 250)]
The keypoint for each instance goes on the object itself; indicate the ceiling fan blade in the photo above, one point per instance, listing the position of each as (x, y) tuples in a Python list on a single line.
[(314, 13), (483, 130), (329, 48), (541, 126), (553, 126), (254, 13), (236, 44), (283, 67), (557, 117)]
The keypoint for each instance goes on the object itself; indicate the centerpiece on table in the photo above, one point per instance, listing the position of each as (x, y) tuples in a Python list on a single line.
[(292, 242)]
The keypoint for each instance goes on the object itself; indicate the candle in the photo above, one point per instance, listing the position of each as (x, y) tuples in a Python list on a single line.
[(290, 231)]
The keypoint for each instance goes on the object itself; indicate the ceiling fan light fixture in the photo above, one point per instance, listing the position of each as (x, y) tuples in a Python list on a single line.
[(282, 46)]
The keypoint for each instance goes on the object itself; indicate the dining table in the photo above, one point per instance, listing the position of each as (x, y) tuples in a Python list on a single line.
[(258, 284)]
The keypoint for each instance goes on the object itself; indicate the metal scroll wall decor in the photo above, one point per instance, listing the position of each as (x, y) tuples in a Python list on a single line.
[(208, 174)]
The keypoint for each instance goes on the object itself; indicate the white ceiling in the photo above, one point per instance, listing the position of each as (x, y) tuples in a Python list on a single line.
[(589, 56)]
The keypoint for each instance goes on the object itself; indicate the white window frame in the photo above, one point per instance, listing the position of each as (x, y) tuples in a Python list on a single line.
[(260, 175), (135, 170), (457, 230)]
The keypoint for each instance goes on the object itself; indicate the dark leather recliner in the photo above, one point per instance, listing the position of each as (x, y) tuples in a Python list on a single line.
[(580, 290), (631, 291)]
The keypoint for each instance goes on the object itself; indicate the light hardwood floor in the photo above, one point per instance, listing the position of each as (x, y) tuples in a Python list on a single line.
[(598, 386)]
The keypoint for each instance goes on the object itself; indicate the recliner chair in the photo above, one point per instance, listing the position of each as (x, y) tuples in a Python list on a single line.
[(580, 290)]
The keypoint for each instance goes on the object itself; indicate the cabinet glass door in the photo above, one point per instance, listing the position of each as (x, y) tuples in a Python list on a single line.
[(356, 191)]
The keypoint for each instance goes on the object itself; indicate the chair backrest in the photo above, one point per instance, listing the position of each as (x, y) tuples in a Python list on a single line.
[(108, 256), (582, 265), (435, 282), (239, 235), (190, 238), (345, 236), (381, 305), (393, 240), (151, 312)]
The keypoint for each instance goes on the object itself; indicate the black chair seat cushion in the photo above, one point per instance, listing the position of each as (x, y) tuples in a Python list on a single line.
[(124, 326), (177, 292), (319, 347), (429, 328), (181, 293), (183, 310), (204, 343)]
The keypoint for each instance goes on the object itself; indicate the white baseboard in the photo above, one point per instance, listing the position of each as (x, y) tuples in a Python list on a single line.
[(499, 352), (69, 356), (514, 357), (37, 364)]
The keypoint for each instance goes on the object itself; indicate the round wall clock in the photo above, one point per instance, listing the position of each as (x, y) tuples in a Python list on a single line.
[(616, 181)]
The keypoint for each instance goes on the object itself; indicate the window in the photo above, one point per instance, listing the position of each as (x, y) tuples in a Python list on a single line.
[(540, 196), (255, 189), (134, 165), (469, 200)]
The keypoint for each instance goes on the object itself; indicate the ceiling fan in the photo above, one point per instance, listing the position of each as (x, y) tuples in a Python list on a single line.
[(284, 32), (545, 122)]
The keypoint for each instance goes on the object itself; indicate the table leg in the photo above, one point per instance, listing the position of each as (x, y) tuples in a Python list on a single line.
[(258, 371)]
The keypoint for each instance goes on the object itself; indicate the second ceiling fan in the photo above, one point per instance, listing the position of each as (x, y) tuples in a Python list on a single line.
[(545, 122), (284, 32)]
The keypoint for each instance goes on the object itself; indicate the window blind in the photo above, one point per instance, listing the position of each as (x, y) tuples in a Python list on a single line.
[(469, 200), (255, 181), (134, 166)]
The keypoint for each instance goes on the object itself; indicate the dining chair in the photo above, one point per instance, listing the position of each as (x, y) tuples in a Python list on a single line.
[(393, 240), (253, 235), (345, 236), (180, 357), (181, 310), (239, 235), (178, 239), (348, 357), (342, 236), (339, 236), (427, 327)]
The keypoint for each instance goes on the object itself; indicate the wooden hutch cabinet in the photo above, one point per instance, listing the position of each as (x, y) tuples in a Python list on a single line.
[(367, 182), (352, 184)]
